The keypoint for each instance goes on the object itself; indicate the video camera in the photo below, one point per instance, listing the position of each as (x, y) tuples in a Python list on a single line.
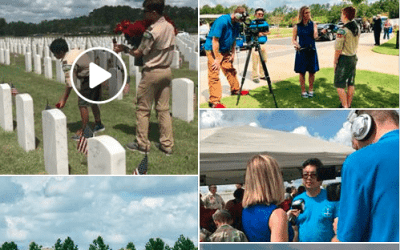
[(333, 189), (252, 28)]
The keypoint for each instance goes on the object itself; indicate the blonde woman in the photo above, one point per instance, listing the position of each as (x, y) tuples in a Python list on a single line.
[(262, 220), (306, 52)]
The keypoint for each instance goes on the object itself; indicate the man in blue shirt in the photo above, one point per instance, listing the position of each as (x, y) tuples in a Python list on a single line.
[(220, 50), (255, 58), (369, 202), (315, 223)]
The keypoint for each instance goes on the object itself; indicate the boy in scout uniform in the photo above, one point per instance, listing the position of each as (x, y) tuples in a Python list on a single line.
[(59, 48), (156, 47), (345, 59)]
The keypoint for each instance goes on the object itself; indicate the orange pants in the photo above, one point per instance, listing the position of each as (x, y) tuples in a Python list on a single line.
[(214, 84)]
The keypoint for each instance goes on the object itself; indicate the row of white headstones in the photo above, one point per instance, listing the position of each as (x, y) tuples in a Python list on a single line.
[(105, 154)]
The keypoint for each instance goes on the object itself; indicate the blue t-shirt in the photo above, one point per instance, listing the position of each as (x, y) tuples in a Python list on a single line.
[(225, 31), (369, 202), (255, 222), (316, 221)]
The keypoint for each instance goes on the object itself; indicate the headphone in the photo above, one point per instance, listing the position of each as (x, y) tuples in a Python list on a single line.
[(241, 16), (362, 125)]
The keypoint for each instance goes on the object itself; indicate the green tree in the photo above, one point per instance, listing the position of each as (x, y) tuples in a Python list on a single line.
[(98, 244), (58, 245), (131, 246), (157, 244), (184, 244), (9, 246), (69, 244), (34, 246)]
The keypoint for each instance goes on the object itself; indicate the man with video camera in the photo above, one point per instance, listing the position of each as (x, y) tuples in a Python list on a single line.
[(256, 60), (312, 214), (369, 199), (220, 50)]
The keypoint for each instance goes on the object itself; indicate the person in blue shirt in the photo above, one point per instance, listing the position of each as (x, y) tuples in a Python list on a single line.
[(255, 57), (316, 222), (369, 199), (220, 50)]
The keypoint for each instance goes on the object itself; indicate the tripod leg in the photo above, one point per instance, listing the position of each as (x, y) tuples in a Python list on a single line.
[(266, 73), (244, 74)]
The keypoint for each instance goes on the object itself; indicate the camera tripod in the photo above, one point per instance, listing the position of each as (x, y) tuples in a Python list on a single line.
[(255, 44)]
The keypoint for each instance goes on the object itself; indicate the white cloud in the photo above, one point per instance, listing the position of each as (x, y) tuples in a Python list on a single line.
[(302, 130), (343, 136)]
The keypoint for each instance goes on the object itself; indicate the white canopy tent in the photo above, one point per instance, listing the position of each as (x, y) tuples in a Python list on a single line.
[(224, 152)]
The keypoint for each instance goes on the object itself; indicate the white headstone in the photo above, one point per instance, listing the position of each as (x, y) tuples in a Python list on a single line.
[(105, 156), (2, 56), (48, 71), (28, 62), (59, 72), (6, 119), (175, 60), (138, 77), (182, 99), (7, 57), (25, 122), (37, 61), (40, 50), (55, 142)]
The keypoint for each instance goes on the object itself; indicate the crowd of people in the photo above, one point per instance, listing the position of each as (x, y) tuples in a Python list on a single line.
[(368, 209)]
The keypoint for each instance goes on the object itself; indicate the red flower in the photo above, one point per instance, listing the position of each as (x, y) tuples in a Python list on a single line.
[(136, 29), (118, 29), (125, 23)]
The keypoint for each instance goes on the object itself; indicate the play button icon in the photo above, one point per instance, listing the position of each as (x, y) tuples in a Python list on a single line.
[(97, 75)]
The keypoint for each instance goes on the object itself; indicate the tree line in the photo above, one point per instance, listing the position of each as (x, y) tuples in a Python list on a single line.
[(99, 21), (98, 244), (322, 13)]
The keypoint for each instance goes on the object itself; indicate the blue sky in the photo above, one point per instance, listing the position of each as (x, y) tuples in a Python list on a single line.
[(120, 209), (324, 124)]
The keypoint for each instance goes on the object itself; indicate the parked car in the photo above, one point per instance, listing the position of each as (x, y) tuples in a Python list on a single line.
[(330, 33), (365, 26)]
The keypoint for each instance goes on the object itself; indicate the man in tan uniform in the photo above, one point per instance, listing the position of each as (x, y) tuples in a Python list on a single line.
[(59, 48), (156, 47), (345, 59)]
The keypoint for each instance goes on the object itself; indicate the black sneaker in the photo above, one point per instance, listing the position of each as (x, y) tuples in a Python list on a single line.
[(133, 146), (99, 128)]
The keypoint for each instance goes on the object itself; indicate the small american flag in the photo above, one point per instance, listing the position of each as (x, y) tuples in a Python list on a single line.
[(142, 169), (82, 143), (14, 90)]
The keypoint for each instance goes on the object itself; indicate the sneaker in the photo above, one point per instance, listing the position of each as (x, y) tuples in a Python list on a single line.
[(340, 106), (99, 128), (311, 94), (256, 80), (133, 146), (216, 105), (304, 95), (167, 152), (236, 92)]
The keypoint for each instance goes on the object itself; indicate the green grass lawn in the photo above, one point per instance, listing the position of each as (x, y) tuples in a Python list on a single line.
[(388, 48), (372, 90), (280, 33), (118, 117)]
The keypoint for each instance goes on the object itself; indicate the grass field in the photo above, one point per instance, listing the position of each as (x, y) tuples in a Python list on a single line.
[(372, 90), (117, 116), (280, 33), (388, 48)]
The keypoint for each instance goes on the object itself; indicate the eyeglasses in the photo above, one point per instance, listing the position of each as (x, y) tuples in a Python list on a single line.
[(311, 175), (259, 14)]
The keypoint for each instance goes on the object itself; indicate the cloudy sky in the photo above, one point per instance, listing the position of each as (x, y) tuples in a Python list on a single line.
[(120, 209), (35, 11), (269, 5)]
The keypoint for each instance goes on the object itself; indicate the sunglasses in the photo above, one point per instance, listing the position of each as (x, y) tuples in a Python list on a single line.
[(311, 175)]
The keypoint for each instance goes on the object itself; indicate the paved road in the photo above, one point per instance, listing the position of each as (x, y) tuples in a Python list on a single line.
[(281, 62)]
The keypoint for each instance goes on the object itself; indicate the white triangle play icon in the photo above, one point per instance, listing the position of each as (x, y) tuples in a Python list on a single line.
[(97, 75)]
